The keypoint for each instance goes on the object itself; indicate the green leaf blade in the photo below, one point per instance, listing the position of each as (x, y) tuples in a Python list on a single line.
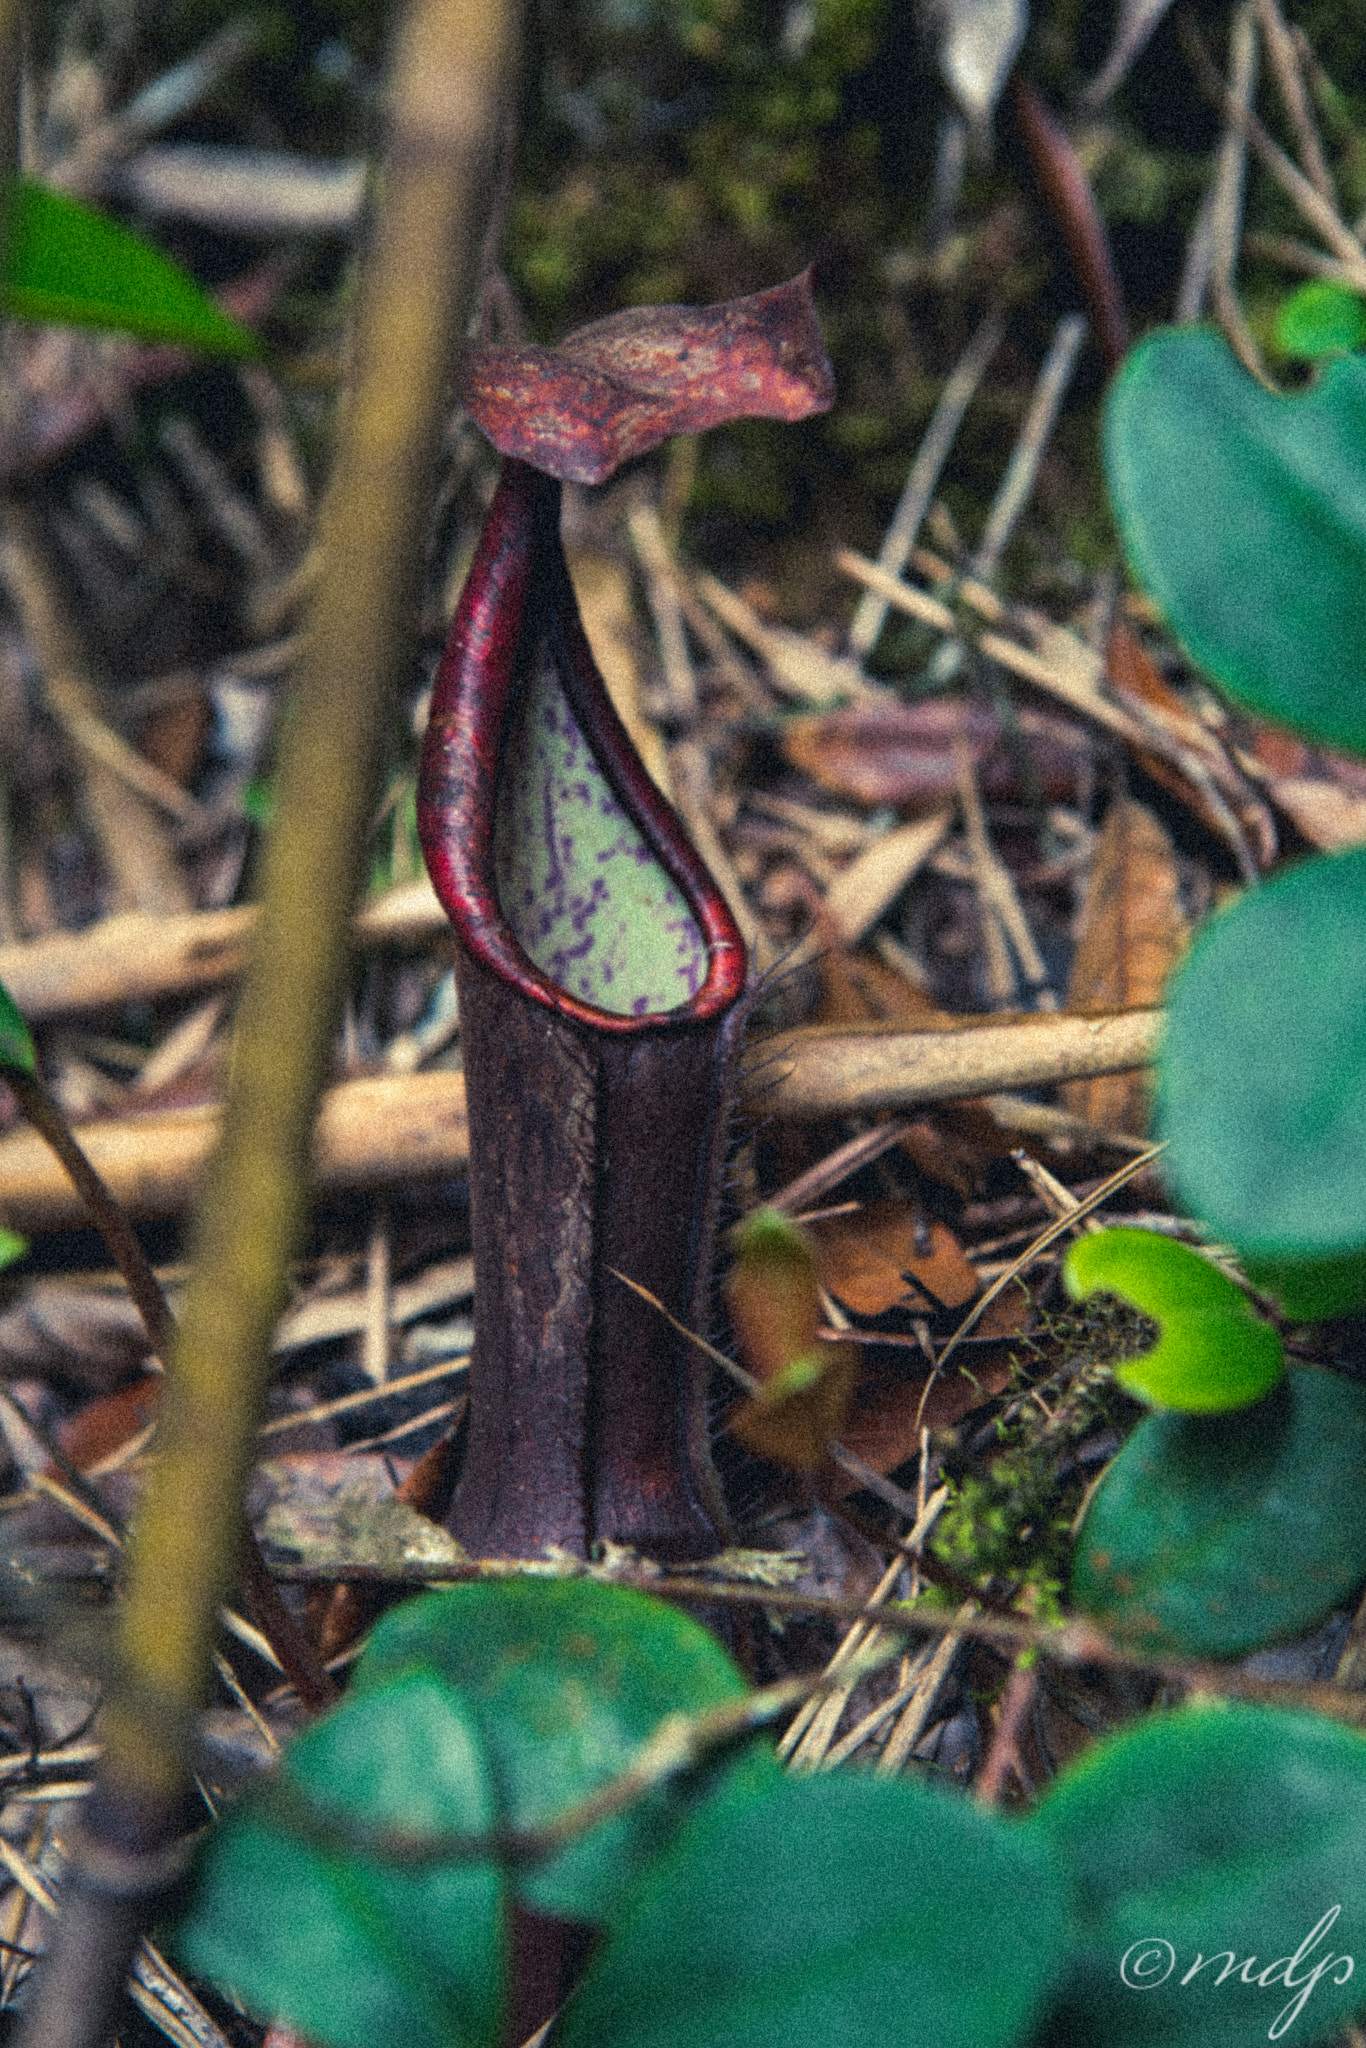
[(835, 1909), (1214, 1829), (1321, 318), (18, 1054), (566, 1679), (1242, 513), (347, 1947), (66, 263), (1213, 1353), (1212, 1535), (1261, 1091)]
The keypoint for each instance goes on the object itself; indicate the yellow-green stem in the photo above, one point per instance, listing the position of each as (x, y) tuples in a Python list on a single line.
[(450, 76)]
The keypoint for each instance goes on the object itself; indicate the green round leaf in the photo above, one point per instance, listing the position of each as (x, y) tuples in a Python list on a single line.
[(1322, 318), (1213, 1353), (1197, 1842), (1243, 513), (17, 1050), (1211, 1535), (65, 262), (566, 1679), (350, 1949), (837, 1910), (1262, 1077)]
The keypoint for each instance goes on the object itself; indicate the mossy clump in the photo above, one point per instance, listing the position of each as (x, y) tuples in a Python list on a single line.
[(1010, 1518)]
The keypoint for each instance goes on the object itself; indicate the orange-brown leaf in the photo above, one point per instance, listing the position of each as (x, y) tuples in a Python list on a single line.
[(795, 1415), (864, 1260), (1133, 932), (883, 1426)]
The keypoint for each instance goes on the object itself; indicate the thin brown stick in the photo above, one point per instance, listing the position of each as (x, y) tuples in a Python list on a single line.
[(932, 454), (41, 1109), (1077, 1641), (1292, 181), (136, 957), (1300, 114), (1226, 203), (1003, 1759), (296, 1654), (1067, 191)]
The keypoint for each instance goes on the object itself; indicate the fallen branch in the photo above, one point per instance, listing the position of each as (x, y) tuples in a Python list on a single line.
[(813, 1073), (370, 1133), (390, 1129), (141, 958)]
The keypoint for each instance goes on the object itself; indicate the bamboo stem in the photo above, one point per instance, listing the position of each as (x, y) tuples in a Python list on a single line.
[(451, 72)]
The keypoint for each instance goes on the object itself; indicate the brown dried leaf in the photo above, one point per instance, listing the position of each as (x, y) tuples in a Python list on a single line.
[(1133, 932), (795, 1415), (618, 387), (1132, 672), (857, 989), (861, 892), (901, 754), (905, 754), (883, 1426), (104, 1426), (1322, 793), (773, 1296), (864, 1260)]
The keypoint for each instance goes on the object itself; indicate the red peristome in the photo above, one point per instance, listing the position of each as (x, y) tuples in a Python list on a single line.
[(618, 387), (518, 590)]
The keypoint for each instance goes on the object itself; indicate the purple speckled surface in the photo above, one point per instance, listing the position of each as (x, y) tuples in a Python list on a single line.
[(588, 901)]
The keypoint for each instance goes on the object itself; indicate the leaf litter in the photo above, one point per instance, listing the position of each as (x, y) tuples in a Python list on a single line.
[(1017, 769)]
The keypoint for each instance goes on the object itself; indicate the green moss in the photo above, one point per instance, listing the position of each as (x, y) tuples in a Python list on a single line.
[(1010, 1521)]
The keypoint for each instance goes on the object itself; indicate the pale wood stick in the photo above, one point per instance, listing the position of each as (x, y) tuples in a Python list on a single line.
[(138, 957), (370, 1133), (814, 1073), (384, 1130)]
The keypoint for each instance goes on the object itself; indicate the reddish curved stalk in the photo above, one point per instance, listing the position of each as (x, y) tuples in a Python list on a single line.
[(1070, 200)]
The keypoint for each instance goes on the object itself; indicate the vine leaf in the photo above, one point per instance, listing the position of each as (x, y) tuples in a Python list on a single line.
[(1221, 1833), (1211, 1535), (490, 1707), (1261, 1089), (1214, 1352), (734, 1942), (67, 263), (1241, 512), (347, 1947), (564, 1682), (618, 387)]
